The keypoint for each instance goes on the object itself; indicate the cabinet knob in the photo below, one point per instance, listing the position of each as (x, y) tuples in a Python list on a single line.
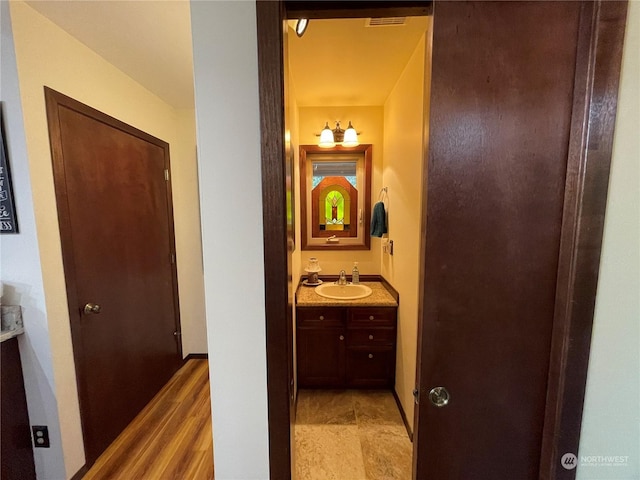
[(370, 337), (341, 337), (371, 355), (321, 317), (371, 317)]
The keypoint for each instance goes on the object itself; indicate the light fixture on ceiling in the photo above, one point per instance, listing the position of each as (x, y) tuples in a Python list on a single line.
[(301, 26), (347, 138)]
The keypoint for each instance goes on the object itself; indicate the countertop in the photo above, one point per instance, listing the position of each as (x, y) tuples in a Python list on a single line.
[(11, 322), (9, 334), (380, 297)]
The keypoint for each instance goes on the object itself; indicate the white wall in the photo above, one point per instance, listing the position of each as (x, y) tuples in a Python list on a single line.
[(402, 174), (611, 422), (20, 270), (227, 113), (46, 55)]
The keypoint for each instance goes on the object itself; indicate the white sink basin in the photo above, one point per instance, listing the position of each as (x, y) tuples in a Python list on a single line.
[(343, 292)]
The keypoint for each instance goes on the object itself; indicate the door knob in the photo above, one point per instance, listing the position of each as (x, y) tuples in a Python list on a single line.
[(91, 308), (439, 396)]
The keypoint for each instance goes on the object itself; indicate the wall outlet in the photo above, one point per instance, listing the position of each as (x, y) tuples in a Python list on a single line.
[(387, 246), (40, 436)]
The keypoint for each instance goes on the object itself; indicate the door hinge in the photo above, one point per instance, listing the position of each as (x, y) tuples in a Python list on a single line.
[(416, 396), (177, 334), (166, 174), (173, 258)]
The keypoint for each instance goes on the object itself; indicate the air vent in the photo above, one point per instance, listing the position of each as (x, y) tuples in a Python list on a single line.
[(385, 22)]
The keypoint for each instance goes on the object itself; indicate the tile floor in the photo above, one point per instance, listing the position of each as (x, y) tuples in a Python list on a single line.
[(351, 435)]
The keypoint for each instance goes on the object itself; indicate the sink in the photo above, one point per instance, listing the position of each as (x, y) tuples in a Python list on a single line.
[(343, 292)]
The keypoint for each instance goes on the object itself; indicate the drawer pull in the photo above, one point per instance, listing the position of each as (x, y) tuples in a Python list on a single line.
[(321, 317), (370, 337), (371, 317), (341, 337), (371, 355)]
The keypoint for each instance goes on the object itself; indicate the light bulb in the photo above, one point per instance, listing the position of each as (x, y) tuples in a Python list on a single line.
[(350, 137), (326, 138)]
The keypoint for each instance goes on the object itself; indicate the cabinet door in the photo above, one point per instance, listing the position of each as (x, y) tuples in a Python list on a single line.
[(16, 453), (372, 367), (320, 357)]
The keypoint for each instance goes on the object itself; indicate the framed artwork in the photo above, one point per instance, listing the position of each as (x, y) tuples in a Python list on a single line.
[(8, 219)]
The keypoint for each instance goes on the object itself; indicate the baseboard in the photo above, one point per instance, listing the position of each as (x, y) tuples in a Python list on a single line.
[(403, 415), (80, 473), (197, 356)]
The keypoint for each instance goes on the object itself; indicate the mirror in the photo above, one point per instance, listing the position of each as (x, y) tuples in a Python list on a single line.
[(335, 195)]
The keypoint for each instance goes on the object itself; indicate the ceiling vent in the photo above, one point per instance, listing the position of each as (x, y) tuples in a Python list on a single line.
[(385, 22)]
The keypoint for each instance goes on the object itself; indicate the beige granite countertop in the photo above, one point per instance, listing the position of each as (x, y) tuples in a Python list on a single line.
[(380, 297), (9, 334)]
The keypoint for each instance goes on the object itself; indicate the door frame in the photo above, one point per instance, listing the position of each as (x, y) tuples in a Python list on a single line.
[(601, 36)]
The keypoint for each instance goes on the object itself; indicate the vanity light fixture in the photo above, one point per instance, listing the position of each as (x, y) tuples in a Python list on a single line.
[(347, 138), (301, 26)]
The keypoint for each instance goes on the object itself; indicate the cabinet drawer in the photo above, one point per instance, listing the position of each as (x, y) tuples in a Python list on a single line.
[(318, 317), (371, 336), (370, 367), (372, 316)]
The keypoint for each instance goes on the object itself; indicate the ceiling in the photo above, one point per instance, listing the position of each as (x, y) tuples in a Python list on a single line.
[(149, 40), (343, 62), (336, 62)]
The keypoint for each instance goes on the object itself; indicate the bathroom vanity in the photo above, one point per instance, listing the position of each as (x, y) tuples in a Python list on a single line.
[(346, 343)]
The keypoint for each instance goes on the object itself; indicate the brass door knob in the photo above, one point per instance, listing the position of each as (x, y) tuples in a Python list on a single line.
[(90, 308)]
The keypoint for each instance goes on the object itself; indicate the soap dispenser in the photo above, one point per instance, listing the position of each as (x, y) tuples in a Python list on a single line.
[(355, 274)]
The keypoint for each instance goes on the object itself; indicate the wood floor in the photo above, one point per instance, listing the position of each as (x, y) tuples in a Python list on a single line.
[(170, 439)]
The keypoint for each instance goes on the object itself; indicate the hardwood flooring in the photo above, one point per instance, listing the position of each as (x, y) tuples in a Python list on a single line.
[(171, 439)]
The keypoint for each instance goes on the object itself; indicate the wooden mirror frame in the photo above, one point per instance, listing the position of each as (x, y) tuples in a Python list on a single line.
[(305, 150)]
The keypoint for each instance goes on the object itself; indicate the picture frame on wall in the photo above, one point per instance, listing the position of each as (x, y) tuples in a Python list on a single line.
[(8, 218)]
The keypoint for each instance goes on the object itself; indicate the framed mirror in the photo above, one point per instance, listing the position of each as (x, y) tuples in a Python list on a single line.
[(335, 195)]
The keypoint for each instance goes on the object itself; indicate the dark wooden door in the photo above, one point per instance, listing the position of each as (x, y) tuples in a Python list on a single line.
[(501, 109), (116, 225)]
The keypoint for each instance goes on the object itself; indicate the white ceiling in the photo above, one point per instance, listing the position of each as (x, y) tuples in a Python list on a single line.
[(336, 62), (342, 62), (149, 40)]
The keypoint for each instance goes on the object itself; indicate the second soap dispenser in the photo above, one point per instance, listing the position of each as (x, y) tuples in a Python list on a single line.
[(355, 274)]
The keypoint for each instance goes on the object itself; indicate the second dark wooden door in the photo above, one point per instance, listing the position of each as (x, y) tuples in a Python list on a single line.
[(114, 206), (501, 107)]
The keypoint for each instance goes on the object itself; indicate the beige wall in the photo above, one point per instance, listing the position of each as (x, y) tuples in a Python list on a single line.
[(402, 174), (46, 55), (369, 121), (612, 427)]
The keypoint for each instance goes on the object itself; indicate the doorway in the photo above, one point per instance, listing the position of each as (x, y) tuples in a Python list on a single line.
[(555, 415), (373, 77)]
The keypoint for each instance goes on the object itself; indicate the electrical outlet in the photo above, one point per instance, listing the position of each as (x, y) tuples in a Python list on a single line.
[(40, 436)]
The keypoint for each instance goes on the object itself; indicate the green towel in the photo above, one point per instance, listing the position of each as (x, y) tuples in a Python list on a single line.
[(378, 220)]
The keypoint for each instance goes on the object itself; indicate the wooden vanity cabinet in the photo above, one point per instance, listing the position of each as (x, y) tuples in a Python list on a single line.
[(340, 347)]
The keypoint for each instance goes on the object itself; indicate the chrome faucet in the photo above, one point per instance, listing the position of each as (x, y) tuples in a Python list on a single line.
[(343, 278)]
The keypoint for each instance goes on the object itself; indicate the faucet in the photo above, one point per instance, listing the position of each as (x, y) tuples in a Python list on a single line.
[(343, 278)]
